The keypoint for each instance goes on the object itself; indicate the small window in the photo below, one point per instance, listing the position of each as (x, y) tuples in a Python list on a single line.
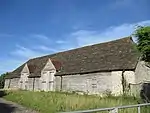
[(94, 82), (43, 81), (51, 81), (44, 72), (52, 72), (94, 85)]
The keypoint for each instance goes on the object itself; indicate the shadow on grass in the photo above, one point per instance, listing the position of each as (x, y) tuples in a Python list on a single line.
[(4, 106), (2, 93)]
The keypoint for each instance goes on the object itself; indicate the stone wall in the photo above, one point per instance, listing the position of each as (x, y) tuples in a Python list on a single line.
[(37, 84), (30, 84), (93, 83), (129, 77), (142, 75), (57, 83), (14, 83), (34, 84), (7, 83), (116, 82)]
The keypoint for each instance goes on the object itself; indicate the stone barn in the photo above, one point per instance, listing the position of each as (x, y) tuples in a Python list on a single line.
[(111, 67)]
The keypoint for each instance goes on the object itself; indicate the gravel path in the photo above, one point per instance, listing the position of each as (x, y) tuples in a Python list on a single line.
[(11, 107)]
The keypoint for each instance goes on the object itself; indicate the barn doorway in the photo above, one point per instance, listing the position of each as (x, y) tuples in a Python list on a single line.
[(45, 81), (44, 86), (145, 92), (23, 82), (48, 81)]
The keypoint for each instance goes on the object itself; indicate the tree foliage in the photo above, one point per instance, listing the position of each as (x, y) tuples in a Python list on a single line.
[(143, 41), (2, 80)]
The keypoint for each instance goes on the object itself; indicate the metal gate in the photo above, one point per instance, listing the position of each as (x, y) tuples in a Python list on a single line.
[(113, 109)]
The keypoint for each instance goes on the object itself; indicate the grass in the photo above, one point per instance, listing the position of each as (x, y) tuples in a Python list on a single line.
[(51, 102)]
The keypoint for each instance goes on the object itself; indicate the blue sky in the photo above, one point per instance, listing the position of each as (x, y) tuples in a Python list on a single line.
[(31, 28)]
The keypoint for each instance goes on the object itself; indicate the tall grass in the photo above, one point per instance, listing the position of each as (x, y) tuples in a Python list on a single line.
[(51, 102)]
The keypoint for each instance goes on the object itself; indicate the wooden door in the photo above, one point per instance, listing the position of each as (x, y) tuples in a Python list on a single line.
[(51, 81), (44, 82)]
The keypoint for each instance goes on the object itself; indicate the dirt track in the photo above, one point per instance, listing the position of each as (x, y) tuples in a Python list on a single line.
[(10, 107)]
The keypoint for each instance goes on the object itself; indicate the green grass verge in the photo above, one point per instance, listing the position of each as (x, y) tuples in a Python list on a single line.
[(51, 102)]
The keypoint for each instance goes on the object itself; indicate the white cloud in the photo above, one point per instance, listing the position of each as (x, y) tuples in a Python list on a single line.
[(77, 39), (144, 23), (60, 42), (45, 48), (24, 52), (85, 37), (40, 37)]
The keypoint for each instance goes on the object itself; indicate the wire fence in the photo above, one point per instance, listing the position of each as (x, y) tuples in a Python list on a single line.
[(113, 109), (141, 90)]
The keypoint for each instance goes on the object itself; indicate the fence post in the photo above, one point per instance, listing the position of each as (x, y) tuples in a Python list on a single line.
[(139, 109), (114, 110)]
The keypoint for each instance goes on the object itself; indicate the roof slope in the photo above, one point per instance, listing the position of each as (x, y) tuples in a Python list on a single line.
[(114, 55)]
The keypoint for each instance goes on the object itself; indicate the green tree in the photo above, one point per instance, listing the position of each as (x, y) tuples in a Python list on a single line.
[(2, 80), (143, 41)]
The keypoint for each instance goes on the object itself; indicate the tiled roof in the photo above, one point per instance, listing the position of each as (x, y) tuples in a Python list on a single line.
[(114, 55)]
